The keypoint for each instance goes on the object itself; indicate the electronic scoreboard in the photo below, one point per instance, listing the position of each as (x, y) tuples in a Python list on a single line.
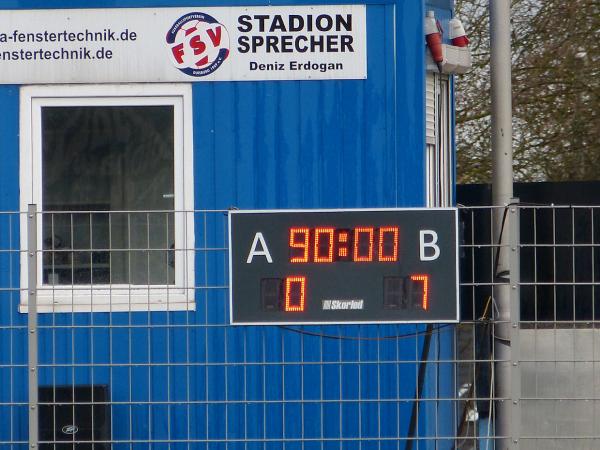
[(343, 266)]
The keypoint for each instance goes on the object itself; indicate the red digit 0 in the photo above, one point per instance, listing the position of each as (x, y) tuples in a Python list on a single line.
[(327, 256), (359, 255), (295, 293), (388, 249)]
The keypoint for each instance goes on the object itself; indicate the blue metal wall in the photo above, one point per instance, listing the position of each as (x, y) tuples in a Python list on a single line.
[(257, 145)]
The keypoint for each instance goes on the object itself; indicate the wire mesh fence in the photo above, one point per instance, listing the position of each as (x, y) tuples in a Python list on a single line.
[(130, 346)]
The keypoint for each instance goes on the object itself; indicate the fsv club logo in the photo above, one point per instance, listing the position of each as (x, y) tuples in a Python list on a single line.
[(199, 44)]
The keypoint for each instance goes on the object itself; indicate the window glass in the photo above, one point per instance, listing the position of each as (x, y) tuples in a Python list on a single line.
[(97, 159)]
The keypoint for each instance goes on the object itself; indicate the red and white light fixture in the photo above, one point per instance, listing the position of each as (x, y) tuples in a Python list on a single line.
[(449, 59), (433, 37), (457, 33)]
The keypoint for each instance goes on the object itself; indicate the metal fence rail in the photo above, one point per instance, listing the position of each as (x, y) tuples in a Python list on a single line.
[(156, 365)]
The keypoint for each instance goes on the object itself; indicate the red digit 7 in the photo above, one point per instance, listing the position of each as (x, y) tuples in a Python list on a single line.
[(425, 280)]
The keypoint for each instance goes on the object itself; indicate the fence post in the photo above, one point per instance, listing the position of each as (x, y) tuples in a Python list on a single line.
[(515, 319), (32, 328)]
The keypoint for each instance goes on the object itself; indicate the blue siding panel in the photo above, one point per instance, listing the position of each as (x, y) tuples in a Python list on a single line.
[(13, 332), (291, 144)]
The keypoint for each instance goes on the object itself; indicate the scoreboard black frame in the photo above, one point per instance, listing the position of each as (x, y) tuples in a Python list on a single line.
[(334, 266)]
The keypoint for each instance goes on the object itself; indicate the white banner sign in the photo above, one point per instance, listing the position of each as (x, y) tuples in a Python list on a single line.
[(183, 44)]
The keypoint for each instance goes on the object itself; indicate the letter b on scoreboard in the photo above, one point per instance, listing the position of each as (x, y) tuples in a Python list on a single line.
[(343, 266)]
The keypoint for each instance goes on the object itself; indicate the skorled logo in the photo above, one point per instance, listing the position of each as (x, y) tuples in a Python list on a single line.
[(198, 44), (343, 304)]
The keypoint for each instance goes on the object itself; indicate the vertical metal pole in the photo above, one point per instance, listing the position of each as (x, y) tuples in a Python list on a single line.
[(500, 70), (502, 191), (515, 317), (32, 335)]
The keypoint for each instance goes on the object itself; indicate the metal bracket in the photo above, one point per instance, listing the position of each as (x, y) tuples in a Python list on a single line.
[(32, 325), (515, 318)]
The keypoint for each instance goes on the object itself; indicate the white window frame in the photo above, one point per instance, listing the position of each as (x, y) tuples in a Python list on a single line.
[(113, 297)]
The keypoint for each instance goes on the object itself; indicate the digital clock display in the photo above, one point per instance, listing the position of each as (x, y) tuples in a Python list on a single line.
[(343, 266), (328, 244)]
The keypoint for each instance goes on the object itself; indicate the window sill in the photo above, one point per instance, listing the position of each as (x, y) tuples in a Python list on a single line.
[(145, 299)]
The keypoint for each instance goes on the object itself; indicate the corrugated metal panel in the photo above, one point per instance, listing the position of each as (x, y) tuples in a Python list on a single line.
[(257, 145), (315, 144)]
